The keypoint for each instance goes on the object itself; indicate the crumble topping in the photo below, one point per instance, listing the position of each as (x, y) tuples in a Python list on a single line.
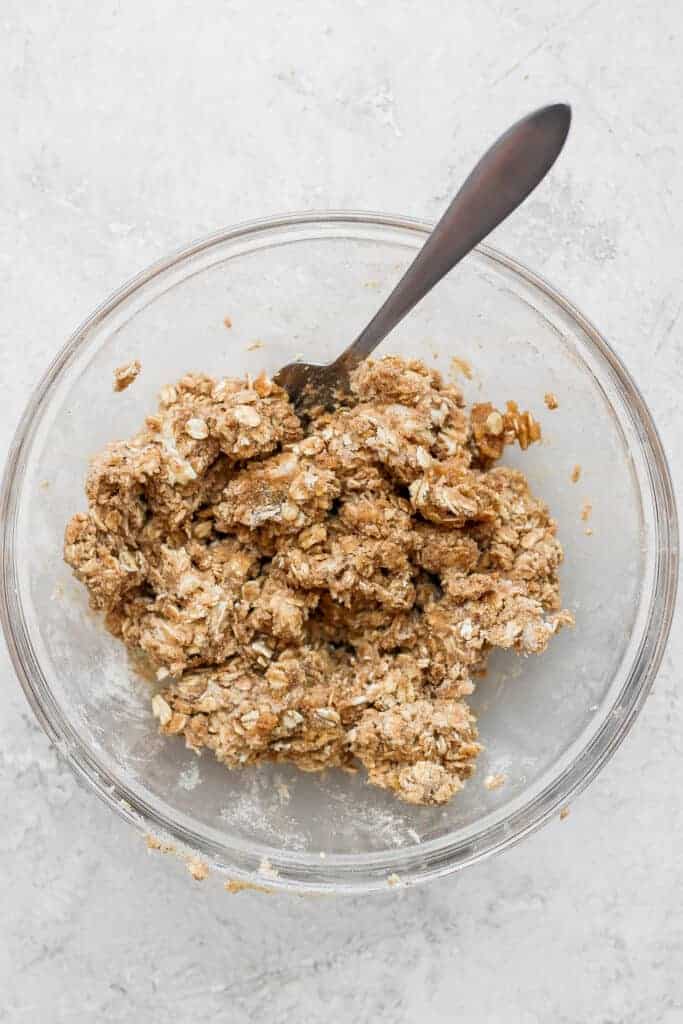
[(495, 781), (126, 374), (322, 592)]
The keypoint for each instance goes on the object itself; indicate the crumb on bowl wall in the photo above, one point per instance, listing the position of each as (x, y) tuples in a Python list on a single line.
[(283, 792), (125, 375), (550, 400), (461, 367), (266, 869), (495, 781)]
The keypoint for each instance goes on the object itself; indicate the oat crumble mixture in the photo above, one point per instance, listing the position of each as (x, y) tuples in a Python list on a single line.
[(323, 592), (126, 374)]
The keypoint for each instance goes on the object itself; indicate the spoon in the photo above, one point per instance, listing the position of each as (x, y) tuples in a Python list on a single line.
[(502, 179)]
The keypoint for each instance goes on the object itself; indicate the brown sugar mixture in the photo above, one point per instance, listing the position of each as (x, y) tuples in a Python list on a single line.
[(322, 593), (126, 374)]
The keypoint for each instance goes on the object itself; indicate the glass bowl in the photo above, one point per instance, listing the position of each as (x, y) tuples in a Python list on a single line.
[(306, 284)]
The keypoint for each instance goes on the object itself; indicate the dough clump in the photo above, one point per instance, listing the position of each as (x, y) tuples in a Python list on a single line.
[(322, 592)]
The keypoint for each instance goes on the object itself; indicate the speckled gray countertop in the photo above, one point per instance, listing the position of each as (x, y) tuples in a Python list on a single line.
[(129, 128)]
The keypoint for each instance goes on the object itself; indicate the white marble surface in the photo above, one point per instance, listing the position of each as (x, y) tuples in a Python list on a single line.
[(129, 128)]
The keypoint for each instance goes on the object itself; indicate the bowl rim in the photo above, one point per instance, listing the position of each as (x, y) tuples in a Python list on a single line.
[(433, 858)]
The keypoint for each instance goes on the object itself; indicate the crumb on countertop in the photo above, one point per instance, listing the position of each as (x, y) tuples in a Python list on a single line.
[(153, 843), (550, 400), (227, 322), (197, 868), (125, 375), (564, 813), (576, 474), (586, 511), (254, 345)]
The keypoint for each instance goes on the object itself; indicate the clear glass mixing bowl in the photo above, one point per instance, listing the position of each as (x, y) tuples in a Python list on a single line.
[(306, 284)]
